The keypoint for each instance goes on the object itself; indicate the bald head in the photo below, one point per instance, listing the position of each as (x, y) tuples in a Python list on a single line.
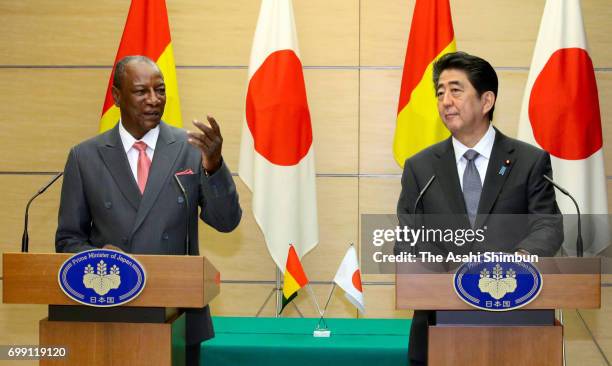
[(121, 65)]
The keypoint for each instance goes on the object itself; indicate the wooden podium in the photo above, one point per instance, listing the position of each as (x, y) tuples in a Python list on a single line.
[(146, 331), (568, 283)]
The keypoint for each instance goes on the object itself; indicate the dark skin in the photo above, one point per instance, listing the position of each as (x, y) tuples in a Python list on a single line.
[(208, 139), (141, 98)]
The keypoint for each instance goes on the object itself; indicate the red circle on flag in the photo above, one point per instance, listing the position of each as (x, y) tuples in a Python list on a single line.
[(277, 109), (564, 107), (357, 280)]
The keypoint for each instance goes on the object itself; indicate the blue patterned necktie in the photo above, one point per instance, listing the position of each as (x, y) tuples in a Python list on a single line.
[(472, 186)]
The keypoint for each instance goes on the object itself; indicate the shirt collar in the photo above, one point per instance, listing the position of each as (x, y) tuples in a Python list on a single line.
[(150, 138), (483, 147)]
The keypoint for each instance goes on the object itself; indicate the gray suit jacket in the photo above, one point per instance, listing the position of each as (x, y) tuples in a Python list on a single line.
[(101, 203), (519, 190)]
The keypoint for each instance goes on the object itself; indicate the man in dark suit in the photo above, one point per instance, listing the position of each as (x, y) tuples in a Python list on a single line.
[(478, 172), (120, 190)]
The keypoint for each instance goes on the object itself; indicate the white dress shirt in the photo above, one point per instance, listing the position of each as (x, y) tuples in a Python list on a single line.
[(150, 138), (483, 148)]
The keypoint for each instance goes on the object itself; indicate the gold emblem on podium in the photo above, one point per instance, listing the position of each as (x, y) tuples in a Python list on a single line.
[(101, 281), (497, 285)]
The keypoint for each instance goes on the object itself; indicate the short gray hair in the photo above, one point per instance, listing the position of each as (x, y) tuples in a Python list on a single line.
[(121, 64)]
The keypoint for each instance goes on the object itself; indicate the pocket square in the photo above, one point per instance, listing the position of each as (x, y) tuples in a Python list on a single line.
[(185, 172)]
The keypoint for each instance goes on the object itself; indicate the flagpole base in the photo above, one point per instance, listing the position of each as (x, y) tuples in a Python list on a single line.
[(321, 333)]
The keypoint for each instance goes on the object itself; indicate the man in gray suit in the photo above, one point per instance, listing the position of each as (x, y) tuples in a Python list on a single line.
[(120, 190), (479, 174)]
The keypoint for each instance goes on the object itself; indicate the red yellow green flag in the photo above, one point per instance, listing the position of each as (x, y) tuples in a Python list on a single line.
[(418, 123), (147, 33), (295, 277)]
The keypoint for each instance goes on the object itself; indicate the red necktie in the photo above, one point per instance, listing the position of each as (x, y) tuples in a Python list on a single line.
[(144, 163)]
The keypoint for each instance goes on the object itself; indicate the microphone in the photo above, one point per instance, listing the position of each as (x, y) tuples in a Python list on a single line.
[(420, 197), (579, 247), (25, 238), (178, 181), (416, 204)]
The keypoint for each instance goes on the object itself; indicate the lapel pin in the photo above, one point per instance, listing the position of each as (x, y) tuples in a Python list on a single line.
[(504, 167)]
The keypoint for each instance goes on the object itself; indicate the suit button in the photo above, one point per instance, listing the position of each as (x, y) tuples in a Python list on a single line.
[(165, 236), (180, 199), (108, 204)]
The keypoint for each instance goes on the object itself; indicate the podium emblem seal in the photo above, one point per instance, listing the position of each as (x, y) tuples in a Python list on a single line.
[(497, 285), (102, 278)]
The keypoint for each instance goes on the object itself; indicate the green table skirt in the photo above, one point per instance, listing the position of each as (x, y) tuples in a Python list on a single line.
[(289, 341)]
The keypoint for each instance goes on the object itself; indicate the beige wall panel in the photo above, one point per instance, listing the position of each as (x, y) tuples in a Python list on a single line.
[(16, 191), (385, 26), (328, 31), (243, 255), (380, 303), (61, 32), (599, 321), (338, 224), (34, 31), (609, 186), (202, 31), (47, 112), (212, 32), (332, 97), (378, 112), (579, 346), (242, 300), (19, 323), (333, 100), (604, 87), (502, 32), (89, 33), (596, 15), (19, 326), (379, 195), (509, 100)]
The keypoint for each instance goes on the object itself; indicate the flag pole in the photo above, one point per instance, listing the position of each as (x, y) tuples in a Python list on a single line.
[(329, 298), (311, 292), (322, 319), (279, 293), (317, 305)]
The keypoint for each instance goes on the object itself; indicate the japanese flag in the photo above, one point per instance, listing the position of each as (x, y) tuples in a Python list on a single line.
[(348, 278)]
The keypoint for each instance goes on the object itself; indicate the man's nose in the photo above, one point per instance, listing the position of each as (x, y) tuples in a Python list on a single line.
[(446, 99), (153, 98)]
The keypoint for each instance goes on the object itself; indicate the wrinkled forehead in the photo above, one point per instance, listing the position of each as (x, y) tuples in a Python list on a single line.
[(142, 72)]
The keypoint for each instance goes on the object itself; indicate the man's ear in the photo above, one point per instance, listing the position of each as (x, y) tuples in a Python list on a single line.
[(488, 101), (116, 95)]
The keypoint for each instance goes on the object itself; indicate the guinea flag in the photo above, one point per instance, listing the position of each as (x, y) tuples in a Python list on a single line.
[(418, 122), (146, 33), (295, 277), (561, 115)]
